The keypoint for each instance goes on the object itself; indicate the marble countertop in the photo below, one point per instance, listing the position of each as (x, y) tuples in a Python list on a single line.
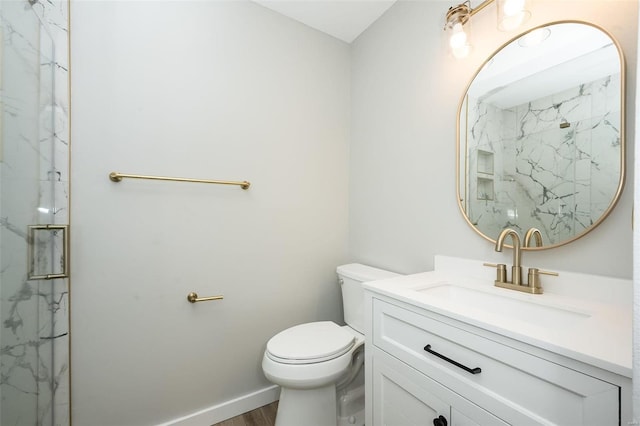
[(584, 317)]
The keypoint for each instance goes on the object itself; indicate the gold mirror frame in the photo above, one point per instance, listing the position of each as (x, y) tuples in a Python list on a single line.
[(621, 182)]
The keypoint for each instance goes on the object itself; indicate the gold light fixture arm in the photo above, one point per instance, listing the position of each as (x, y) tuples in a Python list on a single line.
[(464, 11), (117, 177), (480, 7)]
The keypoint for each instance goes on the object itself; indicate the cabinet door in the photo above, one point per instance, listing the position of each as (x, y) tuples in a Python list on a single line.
[(402, 396)]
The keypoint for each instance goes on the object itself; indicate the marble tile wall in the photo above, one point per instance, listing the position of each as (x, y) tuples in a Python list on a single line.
[(555, 178), (34, 365)]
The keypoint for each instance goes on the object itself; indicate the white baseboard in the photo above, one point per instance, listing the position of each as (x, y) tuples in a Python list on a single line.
[(228, 409)]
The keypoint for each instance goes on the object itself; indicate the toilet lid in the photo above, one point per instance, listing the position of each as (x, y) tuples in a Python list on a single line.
[(310, 343)]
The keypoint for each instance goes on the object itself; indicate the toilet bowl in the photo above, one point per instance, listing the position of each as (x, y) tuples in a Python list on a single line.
[(318, 365), (307, 361)]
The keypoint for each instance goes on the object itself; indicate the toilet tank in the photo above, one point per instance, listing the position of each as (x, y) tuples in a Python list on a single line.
[(351, 278)]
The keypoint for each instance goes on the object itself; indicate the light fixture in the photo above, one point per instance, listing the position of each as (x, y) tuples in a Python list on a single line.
[(511, 14), (457, 18)]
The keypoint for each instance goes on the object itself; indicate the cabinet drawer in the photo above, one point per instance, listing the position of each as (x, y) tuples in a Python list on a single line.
[(404, 397), (518, 387)]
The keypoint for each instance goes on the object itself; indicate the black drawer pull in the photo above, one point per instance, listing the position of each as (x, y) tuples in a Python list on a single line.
[(440, 421), (476, 370)]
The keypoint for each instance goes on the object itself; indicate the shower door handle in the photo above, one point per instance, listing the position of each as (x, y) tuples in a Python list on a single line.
[(31, 239)]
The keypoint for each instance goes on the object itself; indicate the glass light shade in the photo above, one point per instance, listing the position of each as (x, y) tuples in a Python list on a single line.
[(458, 28), (458, 37), (462, 51), (512, 14)]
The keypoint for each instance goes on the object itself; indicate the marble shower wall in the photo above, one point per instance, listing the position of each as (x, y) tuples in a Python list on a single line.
[(552, 163), (34, 359)]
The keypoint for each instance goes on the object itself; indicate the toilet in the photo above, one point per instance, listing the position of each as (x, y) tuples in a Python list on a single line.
[(318, 365)]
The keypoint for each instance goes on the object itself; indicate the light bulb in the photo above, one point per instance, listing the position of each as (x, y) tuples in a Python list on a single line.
[(512, 14), (458, 37), (513, 7)]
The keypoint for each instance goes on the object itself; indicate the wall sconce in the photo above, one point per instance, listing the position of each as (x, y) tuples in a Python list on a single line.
[(511, 14), (457, 17)]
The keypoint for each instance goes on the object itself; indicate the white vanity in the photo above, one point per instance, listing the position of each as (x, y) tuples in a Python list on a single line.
[(448, 348)]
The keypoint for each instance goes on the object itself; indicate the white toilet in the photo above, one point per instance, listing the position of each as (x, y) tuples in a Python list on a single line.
[(318, 365)]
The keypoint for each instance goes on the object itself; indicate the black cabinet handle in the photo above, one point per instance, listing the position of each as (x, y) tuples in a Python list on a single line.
[(476, 370), (440, 421)]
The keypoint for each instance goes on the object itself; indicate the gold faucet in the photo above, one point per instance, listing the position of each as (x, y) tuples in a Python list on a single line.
[(533, 233), (533, 286), (516, 269)]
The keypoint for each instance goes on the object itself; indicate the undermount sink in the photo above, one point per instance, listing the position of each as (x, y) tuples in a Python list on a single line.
[(534, 311)]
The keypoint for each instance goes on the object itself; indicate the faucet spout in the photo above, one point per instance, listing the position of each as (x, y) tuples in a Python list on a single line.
[(516, 269), (533, 233), (533, 286), (515, 238)]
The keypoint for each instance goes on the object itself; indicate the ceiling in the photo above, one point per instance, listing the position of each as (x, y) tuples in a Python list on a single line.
[(343, 19)]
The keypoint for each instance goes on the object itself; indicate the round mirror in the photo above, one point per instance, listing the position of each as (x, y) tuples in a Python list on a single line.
[(541, 135)]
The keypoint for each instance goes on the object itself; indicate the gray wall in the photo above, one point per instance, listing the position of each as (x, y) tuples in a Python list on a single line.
[(230, 90), (213, 90), (405, 95)]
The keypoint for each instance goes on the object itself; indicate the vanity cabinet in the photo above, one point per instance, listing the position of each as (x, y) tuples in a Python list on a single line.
[(471, 376)]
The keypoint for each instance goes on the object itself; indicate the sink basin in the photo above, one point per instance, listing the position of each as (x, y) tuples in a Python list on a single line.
[(535, 311)]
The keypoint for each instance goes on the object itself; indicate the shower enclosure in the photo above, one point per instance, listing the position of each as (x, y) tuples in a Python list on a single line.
[(34, 335)]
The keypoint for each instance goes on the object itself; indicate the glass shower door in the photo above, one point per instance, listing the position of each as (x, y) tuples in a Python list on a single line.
[(33, 290)]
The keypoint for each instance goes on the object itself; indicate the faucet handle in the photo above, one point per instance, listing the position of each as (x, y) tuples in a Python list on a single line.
[(534, 277), (501, 271)]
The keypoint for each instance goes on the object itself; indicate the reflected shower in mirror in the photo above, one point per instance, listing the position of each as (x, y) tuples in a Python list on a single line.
[(541, 135)]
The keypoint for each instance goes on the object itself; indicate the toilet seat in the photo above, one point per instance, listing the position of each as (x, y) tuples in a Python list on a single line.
[(310, 343)]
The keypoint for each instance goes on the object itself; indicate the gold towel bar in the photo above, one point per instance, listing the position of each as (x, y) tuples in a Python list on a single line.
[(117, 177), (193, 298)]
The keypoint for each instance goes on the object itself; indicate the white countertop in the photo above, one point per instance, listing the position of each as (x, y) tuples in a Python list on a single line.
[(584, 317)]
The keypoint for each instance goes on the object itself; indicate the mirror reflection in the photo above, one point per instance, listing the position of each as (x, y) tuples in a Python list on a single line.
[(540, 142)]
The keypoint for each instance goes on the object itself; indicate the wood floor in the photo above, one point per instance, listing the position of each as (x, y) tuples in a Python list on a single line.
[(263, 416)]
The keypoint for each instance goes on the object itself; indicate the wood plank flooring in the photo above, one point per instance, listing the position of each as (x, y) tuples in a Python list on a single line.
[(263, 416)]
